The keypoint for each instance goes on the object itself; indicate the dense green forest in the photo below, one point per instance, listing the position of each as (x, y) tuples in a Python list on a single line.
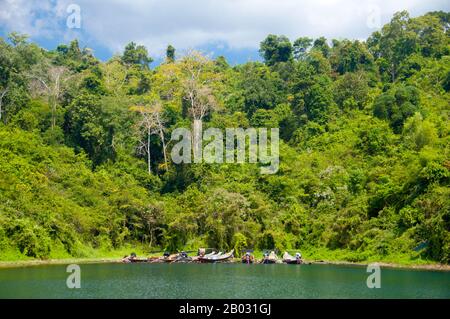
[(364, 150)]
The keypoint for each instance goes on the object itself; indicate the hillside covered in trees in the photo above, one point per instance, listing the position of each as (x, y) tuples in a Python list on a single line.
[(364, 150)]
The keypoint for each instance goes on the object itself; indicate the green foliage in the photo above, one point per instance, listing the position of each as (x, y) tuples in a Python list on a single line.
[(364, 170), (136, 55), (276, 49), (352, 91), (351, 57), (170, 53), (397, 105), (301, 46), (261, 88), (318, 100)]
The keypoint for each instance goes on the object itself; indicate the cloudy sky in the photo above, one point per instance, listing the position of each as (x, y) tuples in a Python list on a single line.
[(233, 28)]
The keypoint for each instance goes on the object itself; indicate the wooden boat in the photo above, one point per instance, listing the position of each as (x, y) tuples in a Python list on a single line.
[(270, 258), (133, 259), (288, 259), (155, 259), (208, 255), (169, 258), (248, 259), (182, 258), (139, 260), (220, 257)]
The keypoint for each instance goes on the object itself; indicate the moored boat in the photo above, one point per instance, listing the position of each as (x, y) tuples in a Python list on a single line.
[(182, 258), (271, 258), (288, 259), (248, 258), (133, 259), (220, 257)]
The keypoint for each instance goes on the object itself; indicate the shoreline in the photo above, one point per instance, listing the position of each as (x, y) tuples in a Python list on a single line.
[(431, 267), (31, 263), (63, 261)]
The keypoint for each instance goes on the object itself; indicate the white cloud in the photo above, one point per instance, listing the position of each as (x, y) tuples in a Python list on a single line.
[(185, 24), (35, 18)]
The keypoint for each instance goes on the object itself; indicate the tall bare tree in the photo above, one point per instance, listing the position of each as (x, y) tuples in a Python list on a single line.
[(49, 81), (151, 122), (160, 125), (199, 94), (196, 82)]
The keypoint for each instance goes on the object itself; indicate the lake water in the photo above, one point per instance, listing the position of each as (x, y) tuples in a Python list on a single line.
[(220, 281)]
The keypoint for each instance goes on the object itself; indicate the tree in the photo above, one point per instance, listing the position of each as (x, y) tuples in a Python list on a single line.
[(198, 93), (6, 62), (11, 74), (18, 39), (318, 100), (49, 80), (319, 62), (276, 49), (89, 126), (151, 122), (394, 43), (320, 44), (397, 105), (170, 53), (74, 51), (301, 46), (136, 55), (350, 56), (221, 63), (418, 132), (352, 90), (197, 84), (430, 29), (260, 87), (115, 76)]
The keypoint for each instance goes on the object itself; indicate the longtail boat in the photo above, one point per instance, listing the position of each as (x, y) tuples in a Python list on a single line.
[(248, 258), (271, 258), (216, 257), (133, 259), (288, 259), (182, 258)]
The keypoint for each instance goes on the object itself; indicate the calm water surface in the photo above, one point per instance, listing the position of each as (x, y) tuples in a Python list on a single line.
[(220, 281)]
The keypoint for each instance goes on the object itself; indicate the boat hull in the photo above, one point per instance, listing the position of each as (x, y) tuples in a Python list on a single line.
[(293, 262)]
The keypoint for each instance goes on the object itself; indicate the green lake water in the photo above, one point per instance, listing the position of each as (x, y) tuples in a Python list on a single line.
[(220, 281)]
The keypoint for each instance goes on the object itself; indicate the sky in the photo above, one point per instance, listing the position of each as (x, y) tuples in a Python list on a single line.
[(233, 28)]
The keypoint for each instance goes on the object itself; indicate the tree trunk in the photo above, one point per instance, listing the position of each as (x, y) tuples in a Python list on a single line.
[(197, 141), (53, 106), (161, 134), (148, 152)]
